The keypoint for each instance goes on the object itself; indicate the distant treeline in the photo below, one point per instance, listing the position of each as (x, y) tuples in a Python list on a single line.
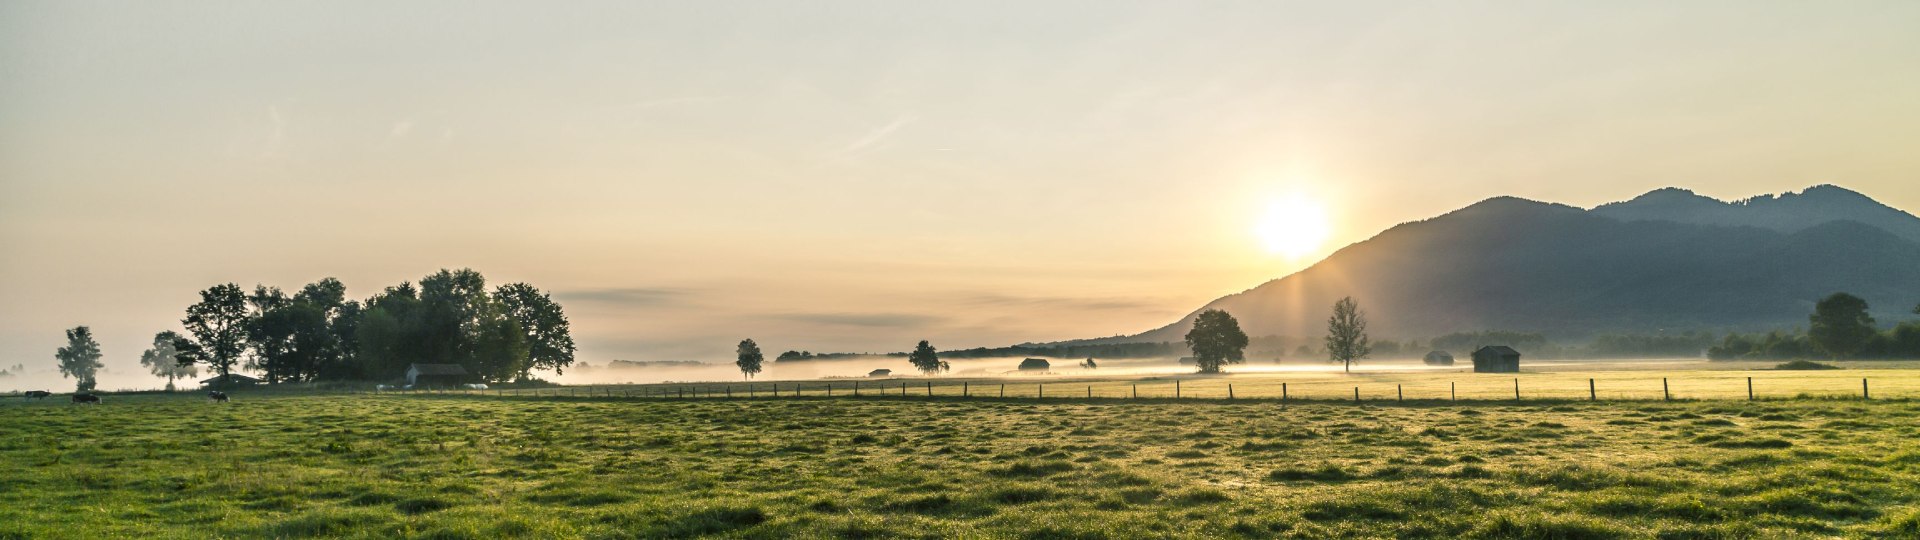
[(1902, 342), (317, 333), (1839, 328)]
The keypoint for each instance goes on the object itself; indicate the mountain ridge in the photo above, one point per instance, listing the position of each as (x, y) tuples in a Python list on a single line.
[(1667, 260)]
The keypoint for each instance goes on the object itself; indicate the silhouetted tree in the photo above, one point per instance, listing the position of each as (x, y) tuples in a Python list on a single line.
[(1347, 333), (1840, 325), (1216, 340), (218, 326), (80, 359), (748, 358), (549, 339), (163, 360), (1089, 364), (927, 359)]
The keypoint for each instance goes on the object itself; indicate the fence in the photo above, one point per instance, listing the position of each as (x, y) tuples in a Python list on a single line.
[(1610, 386)]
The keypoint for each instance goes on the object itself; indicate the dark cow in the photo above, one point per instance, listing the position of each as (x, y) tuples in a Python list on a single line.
[(38, 394), (86, 398), (217, 395)]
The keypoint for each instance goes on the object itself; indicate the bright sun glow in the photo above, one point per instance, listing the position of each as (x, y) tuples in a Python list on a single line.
[(1293, 226)]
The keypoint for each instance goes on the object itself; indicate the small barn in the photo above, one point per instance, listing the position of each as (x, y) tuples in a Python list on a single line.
[(1035, 364), (230, 380), (437, 375), (1496, 359), (1439, 358), (880, 373)]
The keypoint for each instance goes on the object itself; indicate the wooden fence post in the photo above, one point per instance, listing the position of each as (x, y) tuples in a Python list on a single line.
[(1229, 392), (1451, 394), (1665, 394), (1283, 392), (1863, 389), (829, 389), (1749, 388), (1516, 389), (929, 388), (1592, 395), (1089, 391), (1399, 394), (1042, 393), (963, 390), (1356, 395), (1136, 390), (1176, 389), (1003, 389)]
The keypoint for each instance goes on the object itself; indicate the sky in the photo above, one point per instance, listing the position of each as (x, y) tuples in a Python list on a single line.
[(857, 176)]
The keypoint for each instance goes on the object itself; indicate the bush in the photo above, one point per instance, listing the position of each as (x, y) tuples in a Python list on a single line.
[(1805, 365)]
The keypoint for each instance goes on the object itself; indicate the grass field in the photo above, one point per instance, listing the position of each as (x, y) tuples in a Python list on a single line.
[(453, 466)]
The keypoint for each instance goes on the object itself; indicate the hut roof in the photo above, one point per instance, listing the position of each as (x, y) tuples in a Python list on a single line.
[(1501, 350)]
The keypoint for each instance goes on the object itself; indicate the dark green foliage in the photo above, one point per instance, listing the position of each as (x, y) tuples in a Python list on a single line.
[(549, 337), (926, 359), (1840, 325), (748, 358), (80, 359), (218, 326), (1216, 340)]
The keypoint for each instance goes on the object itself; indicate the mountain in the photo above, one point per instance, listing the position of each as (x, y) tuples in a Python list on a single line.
[(1668, 260), (1787, 212)]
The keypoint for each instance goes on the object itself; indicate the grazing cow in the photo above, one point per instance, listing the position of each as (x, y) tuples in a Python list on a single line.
[(38, 394), (86, 398), (217, 396)]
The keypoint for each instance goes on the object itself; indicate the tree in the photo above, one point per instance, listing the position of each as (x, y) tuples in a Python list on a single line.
[(1347, 333), (926, 359), (80, 359), (749, 358), (1216, 340), (163, 360), (548, 338), (1840, 325), (1089, 364), (218, 326)]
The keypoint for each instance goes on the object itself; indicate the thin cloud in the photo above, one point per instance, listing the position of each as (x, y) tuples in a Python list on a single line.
[(1061, 302), (880, 133), (867, 320), (627, 296)]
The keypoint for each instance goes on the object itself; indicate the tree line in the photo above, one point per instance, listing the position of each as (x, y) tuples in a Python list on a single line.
[(1838, 329), (317, 333)]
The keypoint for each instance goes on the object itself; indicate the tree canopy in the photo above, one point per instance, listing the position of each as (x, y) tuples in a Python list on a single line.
[(748, 358), (80, 359), (926, 359), (1216, 340), (163, 358), (1347, 333), (1840, 325), (318, 333)]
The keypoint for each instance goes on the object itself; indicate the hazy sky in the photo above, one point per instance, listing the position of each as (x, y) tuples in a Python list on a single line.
[(857, 176)]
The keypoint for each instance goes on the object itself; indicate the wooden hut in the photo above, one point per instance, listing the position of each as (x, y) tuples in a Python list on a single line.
[(1496, 359)]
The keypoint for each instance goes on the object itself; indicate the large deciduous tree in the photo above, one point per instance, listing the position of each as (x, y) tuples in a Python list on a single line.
[(1840, 325), (1347, 334), (549, 340), (163, 359), (80, 359), (1216, 340), (218, 328), (926, 359), (748, 357)]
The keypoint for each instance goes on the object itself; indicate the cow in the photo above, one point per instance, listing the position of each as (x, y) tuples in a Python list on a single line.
[(86, 398), (38, 394), (217, 396)]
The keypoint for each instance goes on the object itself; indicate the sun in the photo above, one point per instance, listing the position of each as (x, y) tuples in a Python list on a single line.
[(1293, 226)]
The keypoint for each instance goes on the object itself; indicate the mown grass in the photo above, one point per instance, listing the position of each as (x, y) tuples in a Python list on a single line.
[(490, 467)]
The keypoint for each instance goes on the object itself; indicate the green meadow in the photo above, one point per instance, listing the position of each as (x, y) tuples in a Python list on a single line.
[(483, 466)]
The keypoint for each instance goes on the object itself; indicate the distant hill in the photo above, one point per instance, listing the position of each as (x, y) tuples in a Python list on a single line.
[(1669, 260)]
